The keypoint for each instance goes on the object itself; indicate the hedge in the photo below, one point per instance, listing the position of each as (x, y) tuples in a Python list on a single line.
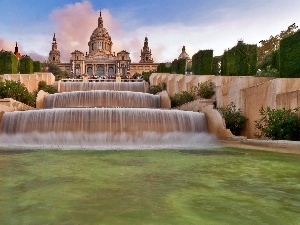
[(202, 62), (178, 66), (8, 63), (163, 68), (240, 60), (26, 65), (289, 53), (37, 66)]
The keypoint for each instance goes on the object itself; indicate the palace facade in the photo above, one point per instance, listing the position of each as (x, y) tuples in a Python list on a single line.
[(100, 60)]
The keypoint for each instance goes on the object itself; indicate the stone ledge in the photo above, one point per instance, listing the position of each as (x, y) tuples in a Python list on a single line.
[(281, 146), (273, 143)]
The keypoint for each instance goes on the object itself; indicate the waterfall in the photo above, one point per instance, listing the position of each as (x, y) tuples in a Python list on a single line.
[(104, 119)]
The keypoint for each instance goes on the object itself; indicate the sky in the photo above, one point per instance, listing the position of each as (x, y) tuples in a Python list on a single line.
[(168, 24)]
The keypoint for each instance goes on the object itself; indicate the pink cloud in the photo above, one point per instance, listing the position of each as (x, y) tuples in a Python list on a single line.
[(8, 45)]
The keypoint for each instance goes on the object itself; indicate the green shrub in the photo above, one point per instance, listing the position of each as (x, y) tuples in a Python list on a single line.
[(181, 98), (45, 87), (154, 89), (234, 118), (279, 124), (205, 90), (17, 91)]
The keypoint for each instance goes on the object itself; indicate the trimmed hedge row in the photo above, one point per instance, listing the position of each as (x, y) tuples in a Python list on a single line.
[(164, 68), (202, 62), (37, 66), (289, 53), (178, 66), (26, 65), (240, 60), (8, 63)]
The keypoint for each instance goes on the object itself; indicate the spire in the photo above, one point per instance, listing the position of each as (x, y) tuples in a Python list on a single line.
[(183, 49), (17, 51), (16, 48), (54, 44), (100, 21), (54, 38)]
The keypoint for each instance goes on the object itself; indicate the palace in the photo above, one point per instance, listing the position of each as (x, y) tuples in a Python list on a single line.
[(100, 60)]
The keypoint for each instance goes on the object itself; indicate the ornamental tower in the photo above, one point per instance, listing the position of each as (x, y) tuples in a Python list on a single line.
[(146, 55), (54, 54)]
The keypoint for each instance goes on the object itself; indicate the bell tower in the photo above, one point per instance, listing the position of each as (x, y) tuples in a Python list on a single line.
[(54, 54), (146, 55)]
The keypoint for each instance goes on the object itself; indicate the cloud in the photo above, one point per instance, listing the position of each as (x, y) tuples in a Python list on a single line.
[(9, 45)]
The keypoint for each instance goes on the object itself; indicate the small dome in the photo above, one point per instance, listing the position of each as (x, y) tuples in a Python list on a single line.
[(183, 54)]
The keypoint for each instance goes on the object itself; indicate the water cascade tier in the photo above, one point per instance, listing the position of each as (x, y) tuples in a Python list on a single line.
[(95, 120), (101, 98), (113, 86)]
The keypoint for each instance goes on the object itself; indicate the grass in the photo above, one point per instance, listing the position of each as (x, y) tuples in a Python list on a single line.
[(218, 186)]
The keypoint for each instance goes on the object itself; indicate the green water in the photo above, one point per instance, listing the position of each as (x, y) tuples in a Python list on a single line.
[(224, 186)]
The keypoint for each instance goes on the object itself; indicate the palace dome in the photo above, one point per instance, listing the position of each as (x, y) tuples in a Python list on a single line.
[(183, 54), (100, 41), (100, 33)]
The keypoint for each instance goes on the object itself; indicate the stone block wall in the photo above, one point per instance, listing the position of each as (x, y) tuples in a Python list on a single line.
[(31, 80), (248, 93), (9, 104)]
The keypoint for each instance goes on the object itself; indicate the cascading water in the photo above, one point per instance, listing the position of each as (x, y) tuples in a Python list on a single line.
[(63, 124), (114, 86), (102, 99)]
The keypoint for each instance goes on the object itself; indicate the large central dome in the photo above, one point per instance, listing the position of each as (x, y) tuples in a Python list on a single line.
[(100, 43)]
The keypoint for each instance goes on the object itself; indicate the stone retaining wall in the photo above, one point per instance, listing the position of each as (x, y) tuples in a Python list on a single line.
[(248, 93)]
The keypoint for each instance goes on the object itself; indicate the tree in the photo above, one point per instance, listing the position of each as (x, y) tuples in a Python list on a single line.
[(269, 45), (55, 70)]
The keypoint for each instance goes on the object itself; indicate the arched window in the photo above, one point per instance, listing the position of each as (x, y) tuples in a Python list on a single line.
[(90, 71), (111, 71), (100, 71)]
